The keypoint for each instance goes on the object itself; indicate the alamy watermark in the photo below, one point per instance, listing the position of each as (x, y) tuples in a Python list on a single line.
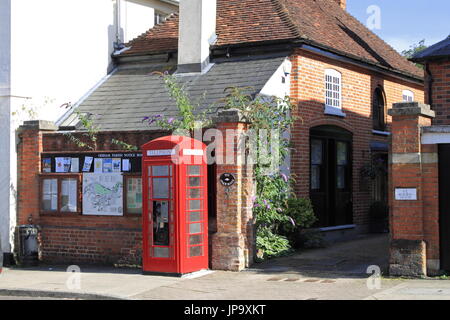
[(73, 281), (374, 20), (374, 280)]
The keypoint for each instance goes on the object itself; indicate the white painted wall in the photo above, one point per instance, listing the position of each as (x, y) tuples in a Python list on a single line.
[(59, 49), (136, 19), (5, 68), (277, 87)]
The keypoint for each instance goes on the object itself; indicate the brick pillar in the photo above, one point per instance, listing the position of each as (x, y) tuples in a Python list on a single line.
[(28, 168), (407, 166), (233, 243)]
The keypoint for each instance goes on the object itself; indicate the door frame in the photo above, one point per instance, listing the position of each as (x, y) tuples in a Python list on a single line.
[(327, 133)]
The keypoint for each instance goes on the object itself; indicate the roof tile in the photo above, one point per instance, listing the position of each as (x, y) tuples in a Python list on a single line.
[(321, 22)]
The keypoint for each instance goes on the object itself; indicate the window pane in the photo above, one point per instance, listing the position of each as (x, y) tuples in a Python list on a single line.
[(160, 188), (194, 182), (316, 151), (195, 193), (315, 177), (161, 252), (134, 195), (69, 195), (161, 223), (194, 170), (341, 153), (195, 239), (160, 171), (195, 251), (194, 205), (50, 194), (195, 228), (340, 177), (195, 216)]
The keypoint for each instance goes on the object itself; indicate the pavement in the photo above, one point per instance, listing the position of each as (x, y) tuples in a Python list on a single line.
[(338, 272)]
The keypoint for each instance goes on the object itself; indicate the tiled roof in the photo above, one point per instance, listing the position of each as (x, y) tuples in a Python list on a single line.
[(131, 94), (438, 50), (318, 22)]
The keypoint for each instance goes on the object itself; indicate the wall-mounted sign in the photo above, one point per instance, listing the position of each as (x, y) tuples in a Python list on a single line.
[(157, 153), (102, 194), (227, 179), (405, 194), (98, 162), (192, 152)]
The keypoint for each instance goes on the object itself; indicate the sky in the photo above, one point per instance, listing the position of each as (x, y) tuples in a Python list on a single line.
[(405, 22)]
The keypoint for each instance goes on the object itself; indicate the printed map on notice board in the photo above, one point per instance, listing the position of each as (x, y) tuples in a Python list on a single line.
[(102, 194)]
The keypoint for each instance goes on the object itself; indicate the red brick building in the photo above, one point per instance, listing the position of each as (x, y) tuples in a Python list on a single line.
[(341, 77), (419, 173)]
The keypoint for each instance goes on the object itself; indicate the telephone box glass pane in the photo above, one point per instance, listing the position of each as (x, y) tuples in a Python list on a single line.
[(195, 216), (194, 170), (161, 223), (161, 252), (160, 188), (195, 193), (195, 228), (195, 239), (195, 251), (194, 181), (194, 204), (160, 171)]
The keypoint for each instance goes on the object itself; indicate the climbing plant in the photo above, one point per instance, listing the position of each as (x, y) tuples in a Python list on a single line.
[(272, 201)]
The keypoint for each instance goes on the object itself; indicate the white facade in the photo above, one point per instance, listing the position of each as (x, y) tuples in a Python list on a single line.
[(51, 53)]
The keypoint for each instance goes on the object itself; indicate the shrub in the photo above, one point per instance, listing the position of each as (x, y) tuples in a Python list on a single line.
[(302, 213), (270, 244)]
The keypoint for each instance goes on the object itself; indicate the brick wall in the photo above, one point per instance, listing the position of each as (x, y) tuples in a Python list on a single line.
[(414, 222), (358, 85), (440, 72), (76, 238)]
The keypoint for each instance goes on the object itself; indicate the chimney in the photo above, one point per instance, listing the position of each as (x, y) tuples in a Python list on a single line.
[(342, 3), (197, 33)]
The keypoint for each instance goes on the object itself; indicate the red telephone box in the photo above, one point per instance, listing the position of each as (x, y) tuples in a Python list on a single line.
[(175, 208)]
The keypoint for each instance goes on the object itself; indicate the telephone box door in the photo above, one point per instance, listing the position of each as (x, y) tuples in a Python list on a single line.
[(175, 220), (159, 220)]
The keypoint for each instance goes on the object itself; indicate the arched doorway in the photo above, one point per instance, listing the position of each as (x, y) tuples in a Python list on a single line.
[(331, 175)]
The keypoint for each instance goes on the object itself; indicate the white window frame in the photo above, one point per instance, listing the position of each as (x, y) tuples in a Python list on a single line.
[(408, 96), (333, 92)]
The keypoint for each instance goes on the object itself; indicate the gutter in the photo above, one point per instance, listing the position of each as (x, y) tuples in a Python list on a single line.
[(328, 52), (341, 54)]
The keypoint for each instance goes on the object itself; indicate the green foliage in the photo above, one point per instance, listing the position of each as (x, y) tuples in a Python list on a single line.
[(415, 49), (274, 201), (270, 244), (302, 213), (91, 132), (124, 145), (274, 190)]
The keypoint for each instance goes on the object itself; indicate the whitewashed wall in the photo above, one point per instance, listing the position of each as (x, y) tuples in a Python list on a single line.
[(5, 67), (59, 50)]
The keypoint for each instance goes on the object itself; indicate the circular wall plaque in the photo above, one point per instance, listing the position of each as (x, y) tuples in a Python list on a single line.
[(227, 179)]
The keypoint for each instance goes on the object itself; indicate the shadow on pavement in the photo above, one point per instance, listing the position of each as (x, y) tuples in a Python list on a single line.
[(349, 259)]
